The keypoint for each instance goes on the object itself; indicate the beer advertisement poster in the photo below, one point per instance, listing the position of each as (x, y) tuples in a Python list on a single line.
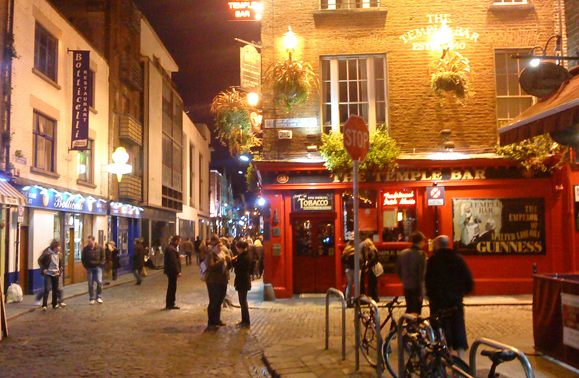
[(503, 226)]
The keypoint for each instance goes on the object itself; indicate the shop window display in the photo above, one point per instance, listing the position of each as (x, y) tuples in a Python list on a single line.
[(367, 215)]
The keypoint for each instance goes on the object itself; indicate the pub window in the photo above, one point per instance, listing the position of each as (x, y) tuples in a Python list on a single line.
[(353, 85), (85, 164), (512, 100), (398, 215), (45, 52), (349, 4), (192, 175), (367, 215), (44, 132)]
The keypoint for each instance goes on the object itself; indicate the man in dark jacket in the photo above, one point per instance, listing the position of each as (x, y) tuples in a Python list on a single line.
[(410, 268), (93, 259), (51, 267), (173, 271), (243, 264), (138, 261), (188, 250), (447, 280)]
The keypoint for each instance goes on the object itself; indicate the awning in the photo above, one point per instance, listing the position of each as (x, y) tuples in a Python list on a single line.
[(557, 112), (10, 196)]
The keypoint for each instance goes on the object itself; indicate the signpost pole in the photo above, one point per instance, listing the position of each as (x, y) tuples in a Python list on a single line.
[(356, 263)]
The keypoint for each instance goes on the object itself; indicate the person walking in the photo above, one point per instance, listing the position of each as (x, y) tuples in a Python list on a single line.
[(369, 257), (138, 261), (93, 259), (188, 250), (52, 267), (197, 246), (218, 263), (108, 266), (243, 264), (173, 271), (348, 263), (115, 257), (410, 267), (447, 280)]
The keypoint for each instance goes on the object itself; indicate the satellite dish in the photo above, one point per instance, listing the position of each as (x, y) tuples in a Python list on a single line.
[(542, 80)]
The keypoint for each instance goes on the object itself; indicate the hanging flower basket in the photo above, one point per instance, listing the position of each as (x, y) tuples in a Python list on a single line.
[(450, 77), (292, 82)]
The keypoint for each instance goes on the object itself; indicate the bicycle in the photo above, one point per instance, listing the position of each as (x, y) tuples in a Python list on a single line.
[(368, 340), (433, 358)]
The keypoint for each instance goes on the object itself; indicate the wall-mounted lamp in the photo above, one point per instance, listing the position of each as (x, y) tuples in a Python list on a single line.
[(537, 59), (120, 167), (290, 41)]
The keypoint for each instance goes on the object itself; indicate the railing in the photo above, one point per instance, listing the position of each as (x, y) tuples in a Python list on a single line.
[(131, 187), (131, 129), (369, 301), (348, 4), (340, 295), (495, 344)]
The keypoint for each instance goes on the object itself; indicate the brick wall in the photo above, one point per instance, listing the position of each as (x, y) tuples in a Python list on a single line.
[(415, 115)]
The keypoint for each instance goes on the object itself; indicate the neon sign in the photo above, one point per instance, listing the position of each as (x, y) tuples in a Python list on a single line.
[(399, 198), (246, 10)]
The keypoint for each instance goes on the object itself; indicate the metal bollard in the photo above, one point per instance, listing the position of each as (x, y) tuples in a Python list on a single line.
[(340, 295)]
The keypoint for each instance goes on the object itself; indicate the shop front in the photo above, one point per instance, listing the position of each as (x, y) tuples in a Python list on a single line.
[(56, 215), (157, 227), (500, 221), (124, 229)]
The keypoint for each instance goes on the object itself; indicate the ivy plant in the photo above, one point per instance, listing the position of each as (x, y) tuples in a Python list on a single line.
[(534, 154)]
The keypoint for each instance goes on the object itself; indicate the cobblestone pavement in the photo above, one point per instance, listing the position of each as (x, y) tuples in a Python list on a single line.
[(130, 334)]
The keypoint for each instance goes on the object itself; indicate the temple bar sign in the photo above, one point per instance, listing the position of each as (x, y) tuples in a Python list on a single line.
[(435, 22)]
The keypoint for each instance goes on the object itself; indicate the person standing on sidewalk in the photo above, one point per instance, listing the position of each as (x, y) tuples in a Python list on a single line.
[(218, 263), (197, 246), (138, 261), (348, 263), (447, 280), (369, 257), (188, 249), (93, 259), (51, 267), (173, 271), (410, 267), (115, 258), (108, 267), (243, 264)]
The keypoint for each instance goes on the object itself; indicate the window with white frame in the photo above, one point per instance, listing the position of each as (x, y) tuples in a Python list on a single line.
[(44, 132), (45, 52), (512, 100), (85, 164), (353, 85), (349, 4)]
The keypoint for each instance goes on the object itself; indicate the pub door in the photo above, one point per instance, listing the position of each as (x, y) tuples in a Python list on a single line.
[(68, 255), (314, 254)]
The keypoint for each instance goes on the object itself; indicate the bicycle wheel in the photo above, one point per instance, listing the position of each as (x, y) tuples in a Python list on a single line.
[(442, 368), (412, 353), (369, 338)]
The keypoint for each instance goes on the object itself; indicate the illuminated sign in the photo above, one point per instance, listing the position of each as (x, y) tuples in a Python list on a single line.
[(399, 198), (125, 210), (435, 34), (81, 93), (313, 202), (246, 10), (44, 198)]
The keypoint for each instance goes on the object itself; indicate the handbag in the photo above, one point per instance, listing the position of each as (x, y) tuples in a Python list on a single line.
[(203, 271), (378, 269)]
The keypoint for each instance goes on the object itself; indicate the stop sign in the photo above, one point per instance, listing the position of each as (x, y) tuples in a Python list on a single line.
[(356, 138)]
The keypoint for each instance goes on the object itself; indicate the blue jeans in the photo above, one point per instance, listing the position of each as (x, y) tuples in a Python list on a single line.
[(95, 274)]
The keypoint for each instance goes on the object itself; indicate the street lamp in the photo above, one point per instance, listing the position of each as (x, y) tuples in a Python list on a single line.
[(252, 99), (290, 41), (120, 167)]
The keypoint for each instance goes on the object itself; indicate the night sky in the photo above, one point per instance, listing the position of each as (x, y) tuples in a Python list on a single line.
[(200, 37)]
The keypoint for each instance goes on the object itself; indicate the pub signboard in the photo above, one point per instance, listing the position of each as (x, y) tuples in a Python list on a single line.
[(313, 201)]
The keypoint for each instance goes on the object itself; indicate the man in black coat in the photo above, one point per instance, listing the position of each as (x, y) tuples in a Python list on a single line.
[(447, 280), (172, 270), (243, 264), (138, 261)]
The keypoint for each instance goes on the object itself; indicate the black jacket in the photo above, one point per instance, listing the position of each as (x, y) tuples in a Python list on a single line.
[(93, 257), (44, 261), (139, 257), (447, 279), (243, 265), (172, 261)]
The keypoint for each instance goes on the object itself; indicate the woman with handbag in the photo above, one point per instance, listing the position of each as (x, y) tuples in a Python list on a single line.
[(369, 254)]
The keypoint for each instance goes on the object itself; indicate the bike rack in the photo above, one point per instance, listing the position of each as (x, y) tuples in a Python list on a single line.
[(370, 302), (495, 344), (412, 318), (340, 295)]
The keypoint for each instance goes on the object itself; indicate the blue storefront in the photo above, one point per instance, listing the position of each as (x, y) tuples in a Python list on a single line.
[(124, 229)]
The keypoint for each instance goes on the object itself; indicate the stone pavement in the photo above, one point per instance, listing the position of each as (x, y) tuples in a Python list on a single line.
[(129, 335)]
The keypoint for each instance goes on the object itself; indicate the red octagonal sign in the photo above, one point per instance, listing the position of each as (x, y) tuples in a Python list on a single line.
[(356, 138)]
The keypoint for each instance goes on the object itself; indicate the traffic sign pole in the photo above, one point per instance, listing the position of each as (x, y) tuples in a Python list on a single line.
[(356, 264)]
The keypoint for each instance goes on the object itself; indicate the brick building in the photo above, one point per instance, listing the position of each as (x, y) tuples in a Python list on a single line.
[(374, 59)]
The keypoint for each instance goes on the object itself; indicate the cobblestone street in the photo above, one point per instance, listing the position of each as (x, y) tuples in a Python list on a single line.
[(130, 334)]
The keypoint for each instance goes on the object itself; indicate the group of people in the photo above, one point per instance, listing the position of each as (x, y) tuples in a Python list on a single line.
[(218, 258), (444, 278)]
